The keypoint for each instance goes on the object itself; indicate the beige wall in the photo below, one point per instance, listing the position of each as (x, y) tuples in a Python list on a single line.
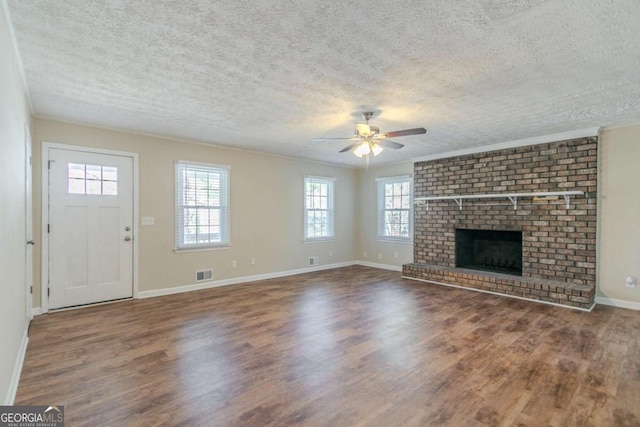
[(619, 216), (379, 252), (266, 207), (14, 113)]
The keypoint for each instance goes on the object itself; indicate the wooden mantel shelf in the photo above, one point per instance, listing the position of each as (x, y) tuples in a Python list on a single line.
[(513, 197)]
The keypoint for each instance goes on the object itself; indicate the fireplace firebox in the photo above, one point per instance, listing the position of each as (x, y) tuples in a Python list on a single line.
[(489, 250)]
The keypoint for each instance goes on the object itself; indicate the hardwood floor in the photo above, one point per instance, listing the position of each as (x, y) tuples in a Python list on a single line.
[(344, 347)]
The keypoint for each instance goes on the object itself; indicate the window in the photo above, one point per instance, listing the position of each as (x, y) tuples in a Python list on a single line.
[(318, 208), (202, 206), (394, 208), (92, 179)]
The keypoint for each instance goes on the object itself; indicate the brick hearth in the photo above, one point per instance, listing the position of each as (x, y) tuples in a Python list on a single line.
[(537, 289), (558, 244)]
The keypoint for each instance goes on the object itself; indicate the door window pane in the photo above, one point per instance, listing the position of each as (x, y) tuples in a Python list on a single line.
[(109, 188), (76, 171), (76, 186), (94, 187), (109, 173), (92, 179)]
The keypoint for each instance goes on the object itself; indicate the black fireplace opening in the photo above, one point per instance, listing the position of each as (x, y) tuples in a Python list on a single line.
[(489, 250)]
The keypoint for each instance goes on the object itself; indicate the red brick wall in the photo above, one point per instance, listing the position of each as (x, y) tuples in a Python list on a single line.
[(559, 244)]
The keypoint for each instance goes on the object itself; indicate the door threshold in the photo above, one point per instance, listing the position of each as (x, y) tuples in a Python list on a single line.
[(93, 304)]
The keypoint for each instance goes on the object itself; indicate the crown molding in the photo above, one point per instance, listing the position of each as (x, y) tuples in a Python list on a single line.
[(512, 144)]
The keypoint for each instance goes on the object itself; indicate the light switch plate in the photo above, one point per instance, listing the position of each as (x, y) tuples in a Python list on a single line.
[(148, 220)]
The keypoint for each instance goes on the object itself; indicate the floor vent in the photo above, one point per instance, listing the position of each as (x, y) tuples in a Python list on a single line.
[(314, 260), (204, 275)]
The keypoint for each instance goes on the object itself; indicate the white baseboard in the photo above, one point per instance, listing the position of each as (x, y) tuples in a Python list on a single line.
[(382, 266), (503, 295), (36, 311), (237, 280), (632, 305), (17, 369)]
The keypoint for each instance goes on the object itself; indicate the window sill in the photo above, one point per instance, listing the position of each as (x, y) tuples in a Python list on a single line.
[(202, 249), (319, 240), (394, 240)]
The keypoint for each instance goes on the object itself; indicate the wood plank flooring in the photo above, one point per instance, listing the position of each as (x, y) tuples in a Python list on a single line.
[(345, 347)]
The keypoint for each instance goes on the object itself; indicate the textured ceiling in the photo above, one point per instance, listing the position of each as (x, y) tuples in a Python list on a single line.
[(271, 75)]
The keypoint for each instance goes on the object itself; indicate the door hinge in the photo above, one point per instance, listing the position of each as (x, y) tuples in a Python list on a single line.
[(31, 290), (48, 291), (48, 228), (30, 160), (49, 164)]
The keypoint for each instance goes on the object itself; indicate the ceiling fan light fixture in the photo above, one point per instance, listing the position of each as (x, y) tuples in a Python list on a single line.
[(363, 149), (377, 149)]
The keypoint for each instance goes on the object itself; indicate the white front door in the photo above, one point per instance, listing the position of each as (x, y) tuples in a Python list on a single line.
[(90, 227)]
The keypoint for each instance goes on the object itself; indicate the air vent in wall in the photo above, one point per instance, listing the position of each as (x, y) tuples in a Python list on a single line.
[(203, 275), (314, 260)]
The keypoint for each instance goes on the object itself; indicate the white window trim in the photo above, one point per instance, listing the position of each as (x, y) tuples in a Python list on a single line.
[(380, 182), (226, 226), (331, 209)]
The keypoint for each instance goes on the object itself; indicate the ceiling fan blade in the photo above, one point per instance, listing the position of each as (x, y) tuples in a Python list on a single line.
[(351, 147), (331, 139), (390, 144), (406, 132)]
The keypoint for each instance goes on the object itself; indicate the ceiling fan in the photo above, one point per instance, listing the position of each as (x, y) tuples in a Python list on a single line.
[(368, 138)]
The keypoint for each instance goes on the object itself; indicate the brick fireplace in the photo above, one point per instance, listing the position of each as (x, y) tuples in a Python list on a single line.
[(538, 248)]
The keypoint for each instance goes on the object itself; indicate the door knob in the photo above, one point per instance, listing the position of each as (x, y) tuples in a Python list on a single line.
[(31, 242), (127, 238), (127, 228)]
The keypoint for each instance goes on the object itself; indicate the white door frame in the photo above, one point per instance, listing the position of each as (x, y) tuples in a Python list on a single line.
[(44, 300), (28, 147)]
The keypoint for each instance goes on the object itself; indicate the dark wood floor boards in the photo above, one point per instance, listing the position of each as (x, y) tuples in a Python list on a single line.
[(350, 346)]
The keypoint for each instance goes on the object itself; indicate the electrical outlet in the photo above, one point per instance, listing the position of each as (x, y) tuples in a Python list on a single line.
[(364, 254), (252, 261), (330, 253), (395, 254), (379, 256), (234, 264), (631, 282)]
